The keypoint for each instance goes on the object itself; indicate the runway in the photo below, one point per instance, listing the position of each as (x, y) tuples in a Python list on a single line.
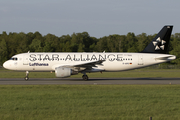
[(92, 81)]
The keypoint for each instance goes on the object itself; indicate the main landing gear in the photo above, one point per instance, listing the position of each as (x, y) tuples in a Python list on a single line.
[(27, 78), (85, 77)]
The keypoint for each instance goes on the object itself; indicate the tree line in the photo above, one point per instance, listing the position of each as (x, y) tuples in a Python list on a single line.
[(14, 43)]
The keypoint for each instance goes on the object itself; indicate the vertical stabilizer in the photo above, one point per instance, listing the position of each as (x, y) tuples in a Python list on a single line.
[(160, 43)]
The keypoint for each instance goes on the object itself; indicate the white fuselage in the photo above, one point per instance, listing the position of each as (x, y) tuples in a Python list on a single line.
[(112, 61)]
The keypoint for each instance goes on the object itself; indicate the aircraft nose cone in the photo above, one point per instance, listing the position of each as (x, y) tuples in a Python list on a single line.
[(9, 65), (5, 65)]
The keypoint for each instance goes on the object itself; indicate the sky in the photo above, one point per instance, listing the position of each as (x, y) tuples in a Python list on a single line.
[(97, 17)]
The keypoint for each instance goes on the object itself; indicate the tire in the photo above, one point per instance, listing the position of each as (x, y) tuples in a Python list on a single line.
[(85, 77), (26, 78)]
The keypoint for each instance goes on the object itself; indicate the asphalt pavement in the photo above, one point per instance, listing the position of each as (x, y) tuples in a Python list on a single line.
[(92, 81)]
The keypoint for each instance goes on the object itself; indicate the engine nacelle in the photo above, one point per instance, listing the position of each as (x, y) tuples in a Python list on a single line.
[(63, 72)]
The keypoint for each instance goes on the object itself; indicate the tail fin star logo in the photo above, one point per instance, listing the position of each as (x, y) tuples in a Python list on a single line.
[(159, 44)]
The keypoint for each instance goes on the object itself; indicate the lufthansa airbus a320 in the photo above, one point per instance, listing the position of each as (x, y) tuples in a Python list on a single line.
[(67, 64)]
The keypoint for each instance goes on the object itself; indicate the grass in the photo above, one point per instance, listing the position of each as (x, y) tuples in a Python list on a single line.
[(138, 73), (89, 102)]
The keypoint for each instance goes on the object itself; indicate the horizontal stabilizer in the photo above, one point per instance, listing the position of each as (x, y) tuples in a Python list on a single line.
[(166, 57)]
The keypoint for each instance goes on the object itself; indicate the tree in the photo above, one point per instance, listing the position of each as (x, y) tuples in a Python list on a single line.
[(14, 43), (36, 46), (176, 52), (51, 42), (132, 42), (102, 45), (81, 47), (142, 41), (3, 51), (65, 43)]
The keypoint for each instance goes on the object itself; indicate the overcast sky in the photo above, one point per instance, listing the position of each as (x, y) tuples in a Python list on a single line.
[(97, 17)]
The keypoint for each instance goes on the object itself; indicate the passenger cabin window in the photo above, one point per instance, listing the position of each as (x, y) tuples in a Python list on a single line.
[(14, 59)]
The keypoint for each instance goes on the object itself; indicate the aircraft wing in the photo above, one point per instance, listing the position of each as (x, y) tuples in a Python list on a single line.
[(90, 64), (87, 66)]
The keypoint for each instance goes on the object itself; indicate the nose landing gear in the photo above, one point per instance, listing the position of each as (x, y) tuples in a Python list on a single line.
[(27, 78)]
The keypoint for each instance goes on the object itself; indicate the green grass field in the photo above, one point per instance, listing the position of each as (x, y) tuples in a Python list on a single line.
[(89, 102)]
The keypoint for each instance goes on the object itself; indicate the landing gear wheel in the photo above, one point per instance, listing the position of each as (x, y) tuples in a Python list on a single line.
[(85, 77), (26, 78)]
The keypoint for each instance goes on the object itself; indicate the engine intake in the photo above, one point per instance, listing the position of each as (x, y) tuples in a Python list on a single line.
[(63, 72)]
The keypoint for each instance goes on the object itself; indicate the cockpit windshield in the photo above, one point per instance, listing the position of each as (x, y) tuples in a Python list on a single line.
[(14, 58)]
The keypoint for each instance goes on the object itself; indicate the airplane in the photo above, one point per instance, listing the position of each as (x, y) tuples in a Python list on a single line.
[(67, 64)]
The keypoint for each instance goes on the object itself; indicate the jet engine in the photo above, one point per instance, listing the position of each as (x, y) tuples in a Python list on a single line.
[(63, 72)]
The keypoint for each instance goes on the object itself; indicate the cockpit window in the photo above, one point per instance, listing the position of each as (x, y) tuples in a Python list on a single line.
[(14, 58)]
